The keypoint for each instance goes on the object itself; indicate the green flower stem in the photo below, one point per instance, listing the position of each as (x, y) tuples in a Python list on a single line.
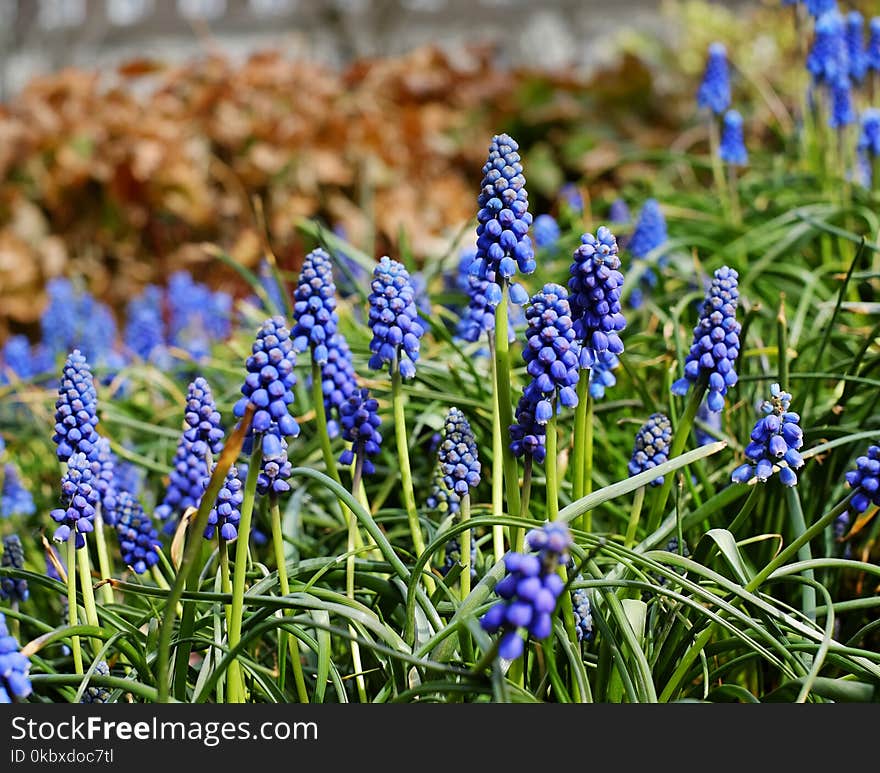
[(679, 440), (225, 582), (159, 578), (528, 464), (465, 581), (280, 562), (88, 589), (71, 602), (733, 193), (497, 465), (580, 419), (746, 510), (355, 542), (587, 517), (235, 676), (104, 564), (799, 526), (633, 524), (406, 481), (715, 160), (502, 398), (550, 469), (321, 422)]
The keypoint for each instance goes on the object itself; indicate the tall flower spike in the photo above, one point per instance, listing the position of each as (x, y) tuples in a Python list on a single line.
[(202, 419), (226, 513), (275, 472), (776, 439), (651, 446), (716, 342), (269, 384), (827, 60), (13, 589), (528, 437), (872, 50), (138, 539), (530, 590), (103, 474), (184, 490), (650, 230), (732, 149), (15, 499), (458, 456), (842, 113), (394, 319), (855, 46), (869, 138), (818, 7), (314, 306), (144, 333), (339, 380), (80, 496), (359, 416), (595, 287), (15, 683), (551, 351), (503, 221), (714, 91), (865, 480), (75, 409)]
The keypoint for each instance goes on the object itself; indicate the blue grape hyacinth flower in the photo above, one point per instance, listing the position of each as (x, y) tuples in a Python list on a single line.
[(827, 60), (503, 222), (93, 693), (314, 306), (138, 540), (184, 489), (530, 590), (650, 231), (103, 473), (440, 498), (144, 332), (842, 113), (274, 472), (651, 446), (528, 437), (775, 442), (15, 683), (602, 375), (80, 497), (595, 285), (869, 138), (732, 149), (546, 230), (339, 380), (225, 515), (716, 342), (76, 408), (714, 90), (394, 319), (202, 419), (359, 416), (551, 352), (18, 358), (269, 385), (14, 590), (864, 480), (458, 455), (570, 195), (855, 46), (872, 50), (619, 212), (583, 613), (452, 556), (15, 499), (817, 7)]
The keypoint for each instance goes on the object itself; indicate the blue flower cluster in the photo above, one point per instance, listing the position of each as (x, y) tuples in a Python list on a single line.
[(15, 499), (15, 684), (144, 333), (458, 456), (842, 112), (503, 221), (80, 495), (583, 613), (314, 306), (872, 51), (184, 490), (869, 139), (93, 693), (226, 513), (865, 480), (855, 46), (551, 352), (715, 346), (359, 415), (394, 319), (732, 149), (103, 476), (619, 212), (274, 472), (452, 556), (138, 539), (714, 90), (528, 437), (24, 361), (202, 419), (817, 7), (595, 287), (776, 438), (339, 380), (530, 589), (197, 315), (546, 230), (651, 447), (76, 408), (827, 60), (711, 419), (12, 589), (650, 230), (602, 375), (269, 384)]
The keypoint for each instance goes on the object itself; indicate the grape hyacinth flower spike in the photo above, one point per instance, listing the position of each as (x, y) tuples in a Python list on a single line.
[(855, 46), (80, 495), (651, 447), (314, 306), (226, 512), (827, 60), (530, 590), (716, 342), (14, 590), (733, 149), (138, 539), (503, 222), (360, 427), (93, 693), (528, 437), (546, 230), (394, 319), (15, 499), (275, 471), (775, 442), (75, 409), (864, 480), (15, 683), (714, 91), (872, 50)]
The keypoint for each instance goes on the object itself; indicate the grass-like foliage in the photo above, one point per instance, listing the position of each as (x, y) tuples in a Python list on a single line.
[(320, 497)]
